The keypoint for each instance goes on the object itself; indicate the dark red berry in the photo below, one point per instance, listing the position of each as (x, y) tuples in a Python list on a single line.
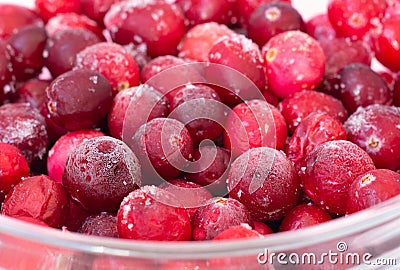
[(5, 73), (58, 154), (265, 181), (103, 224), (13, 167), (329, 169), (100, 172), (320, 28), (262, 228), (75, 216), (217, 215), (151, 213), (32, 92), (293, 61), (376, 129), (38, 197), (372, 188), (79, 99)]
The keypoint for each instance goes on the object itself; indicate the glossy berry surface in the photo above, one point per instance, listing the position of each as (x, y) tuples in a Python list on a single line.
[(100, 172), (263, 173), (299, 105), (125, 22), (103, 224), (38, 197), (58, 154), (303, 216), (376, 130), (111, 60), (262, 228), (151, 213), (24, 128), (217, 215), (163, 146), (372, 188), (330, 169), (313, 130), (78, 99), (13, 167), (254, 124), (293, 61)]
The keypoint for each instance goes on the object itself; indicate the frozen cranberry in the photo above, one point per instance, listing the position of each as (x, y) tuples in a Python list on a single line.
[(329, 170), (243, 55), (32, 92), (62, 47), (293, 61), (50, 8), (265, 181), (111, 60), (272, 18), (320, 28), (58, 154), (376, 130), (25, 128), (254, 124), (132, 108), (64, 21), (103, 224), (75, 216), (299, 105), (203, 11), (303, 216), (26, 49), (247, 7), (100, 172), (151, 213), (353, 18), (165, 25), (97, 9), (79, 99), (237, 232), (371, 188), (5, 72), (190, 195), (262, 228), (386, 42), (13, 17), (361, 86), (158, 65), (199, 40), (38, 197), (163, 146), (13, 167), (54, 131), (313, 130), (139, 53), (200, 109), (209, 167), (217, 215), (396, 92)]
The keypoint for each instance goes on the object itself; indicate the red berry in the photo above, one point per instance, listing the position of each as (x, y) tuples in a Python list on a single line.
[(132, 108), (265, 181), (372, 188), (165, 25), (217, 215), (111, 60), (5, 73), (299, 105), (75, 216), (315, 129), (50, 8), (254, 124), (32, 92), (100, 172), (320, 28), (58, 154), (329, 169), (163, 146), (237, 232), (79, 99), (103, 224), (303, 216), (293, 61), (396, 92), (97, 9), (376, 129), (262, 228), (158, 65), (151, 213), (13, 167), (38, 197)]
